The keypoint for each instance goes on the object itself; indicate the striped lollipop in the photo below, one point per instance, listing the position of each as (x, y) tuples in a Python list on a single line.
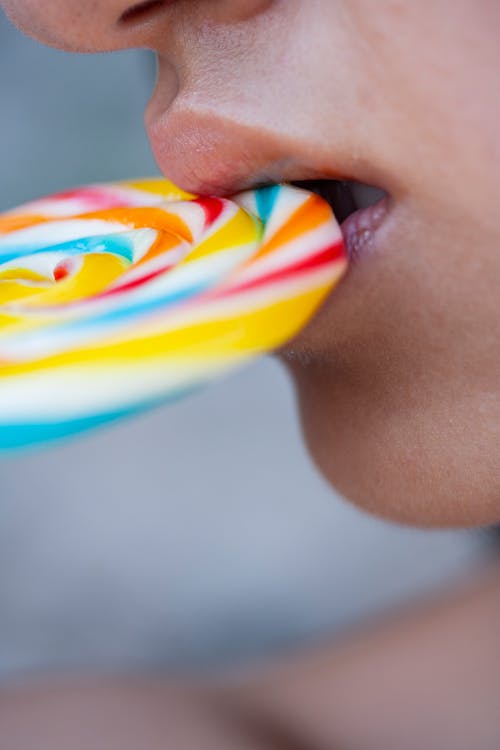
[(117, 297)]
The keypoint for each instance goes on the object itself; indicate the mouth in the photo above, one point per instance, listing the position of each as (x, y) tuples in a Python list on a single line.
[(360, 210)]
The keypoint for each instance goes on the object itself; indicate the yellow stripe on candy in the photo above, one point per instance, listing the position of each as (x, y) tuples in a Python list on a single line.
[(257, 330), (96, 272), (240, 229), (160, 186)]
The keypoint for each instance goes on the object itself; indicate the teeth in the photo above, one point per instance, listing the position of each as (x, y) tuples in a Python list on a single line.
[(365, 195)]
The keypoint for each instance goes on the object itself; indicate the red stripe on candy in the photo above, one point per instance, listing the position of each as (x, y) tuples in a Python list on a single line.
[(135, 283), (61, 272), (328, 255), (213, 209)]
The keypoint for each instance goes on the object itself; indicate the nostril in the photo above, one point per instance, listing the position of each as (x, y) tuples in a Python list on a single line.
[(141, 12)]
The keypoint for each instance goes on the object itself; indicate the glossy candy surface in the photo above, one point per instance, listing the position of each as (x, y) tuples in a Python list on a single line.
[(118, 297)]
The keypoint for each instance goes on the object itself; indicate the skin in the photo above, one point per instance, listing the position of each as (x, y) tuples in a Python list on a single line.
[(428, 679), (398, 377)]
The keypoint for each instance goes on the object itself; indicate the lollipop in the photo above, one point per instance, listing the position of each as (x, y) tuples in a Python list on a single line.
[(118, 297)]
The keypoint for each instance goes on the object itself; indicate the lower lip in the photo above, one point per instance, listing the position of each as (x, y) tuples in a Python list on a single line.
[(361, 228)]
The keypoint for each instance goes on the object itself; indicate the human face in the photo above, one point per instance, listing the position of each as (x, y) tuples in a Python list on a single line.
[(398, 377)]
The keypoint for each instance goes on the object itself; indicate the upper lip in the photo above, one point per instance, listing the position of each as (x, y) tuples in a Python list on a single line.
[(207, 154)]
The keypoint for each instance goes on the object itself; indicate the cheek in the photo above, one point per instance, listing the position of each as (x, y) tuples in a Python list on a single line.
[(399, 381), (41, 20)]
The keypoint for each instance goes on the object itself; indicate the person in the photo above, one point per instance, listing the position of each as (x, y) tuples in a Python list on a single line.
[(398, 376)]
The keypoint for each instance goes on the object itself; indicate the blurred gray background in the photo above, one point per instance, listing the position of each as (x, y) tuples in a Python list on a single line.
[(198, 534)]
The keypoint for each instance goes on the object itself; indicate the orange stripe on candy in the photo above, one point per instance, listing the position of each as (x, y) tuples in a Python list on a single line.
[(140, 218), (308, 216), (10, 224)]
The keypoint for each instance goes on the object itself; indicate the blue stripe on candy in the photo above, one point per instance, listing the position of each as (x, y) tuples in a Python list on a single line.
[(118, 244), (138, 308), (24, 435), (266, 200)]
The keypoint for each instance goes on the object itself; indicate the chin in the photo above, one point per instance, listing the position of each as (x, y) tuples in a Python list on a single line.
[(415, 467)]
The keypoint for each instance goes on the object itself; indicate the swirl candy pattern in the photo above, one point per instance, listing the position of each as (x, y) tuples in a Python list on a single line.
[(117, 297)]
